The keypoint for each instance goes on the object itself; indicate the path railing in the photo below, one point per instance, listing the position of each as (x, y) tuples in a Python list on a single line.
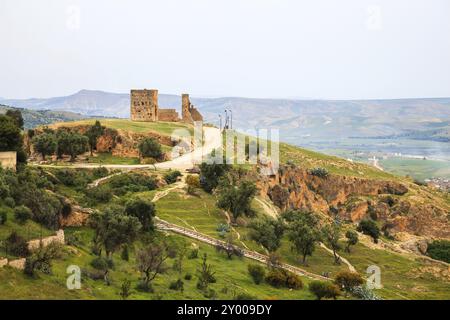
[(164, 225)]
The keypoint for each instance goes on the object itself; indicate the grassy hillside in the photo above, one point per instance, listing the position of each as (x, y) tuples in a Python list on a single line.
[(232, 277), (402, 277), (311, 159)]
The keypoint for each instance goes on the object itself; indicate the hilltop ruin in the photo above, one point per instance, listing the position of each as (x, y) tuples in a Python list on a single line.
[(145, 108)]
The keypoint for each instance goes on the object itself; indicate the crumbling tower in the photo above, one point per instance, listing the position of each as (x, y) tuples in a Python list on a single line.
[(144, 105), (189, 113), (186, 108)]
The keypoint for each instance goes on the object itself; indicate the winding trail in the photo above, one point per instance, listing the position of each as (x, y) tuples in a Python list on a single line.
[(97, 182), (341, 258), (268, 207)]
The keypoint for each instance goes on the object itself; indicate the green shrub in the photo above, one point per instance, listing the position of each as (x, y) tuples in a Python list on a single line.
[(370, 228), (223, 229), (100, 172), (101, 263), (144, 286), (125, 255), (210, 175), (364, 293), (9, 202), (3, 216), (188, 276), (323, 289), (348, 280), (131, 182), (22, 214), (280, 278), (193, 254), (16, 245), (293, 281), (150, 148), (142, 209), (439, 250), (74, 178), (244, 296), (319, 172), (66, 176), (66, 209), (257, 272), (193, 182), (177, 285), (74, 239), (101, 193), (171, 176)]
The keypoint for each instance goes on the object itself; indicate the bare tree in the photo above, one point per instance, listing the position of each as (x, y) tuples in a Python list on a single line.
[(150, 261)]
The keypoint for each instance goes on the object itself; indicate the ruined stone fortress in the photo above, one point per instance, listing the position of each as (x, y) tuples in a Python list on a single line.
[(145, 108)]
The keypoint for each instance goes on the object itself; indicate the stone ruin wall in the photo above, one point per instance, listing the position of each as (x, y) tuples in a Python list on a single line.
[(8, 160), (188, 111), (168, 115), (33, 245), (144, 105)]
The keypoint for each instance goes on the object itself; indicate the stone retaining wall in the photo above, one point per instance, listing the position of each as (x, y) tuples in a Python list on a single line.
[(32, 245)]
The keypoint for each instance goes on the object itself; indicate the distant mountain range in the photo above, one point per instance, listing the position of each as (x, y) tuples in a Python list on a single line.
[(35, 118), (319, 119)]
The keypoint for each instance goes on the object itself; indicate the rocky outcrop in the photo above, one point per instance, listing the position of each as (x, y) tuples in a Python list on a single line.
[(354, 199)]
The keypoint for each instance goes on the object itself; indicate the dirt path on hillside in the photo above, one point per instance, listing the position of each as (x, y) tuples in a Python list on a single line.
[(238, 235), (341, 258), (97, 182), (268, 207), (161, 194)]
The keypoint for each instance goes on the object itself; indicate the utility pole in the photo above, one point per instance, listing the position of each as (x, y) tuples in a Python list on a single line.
[(231, 121), (226, 120)]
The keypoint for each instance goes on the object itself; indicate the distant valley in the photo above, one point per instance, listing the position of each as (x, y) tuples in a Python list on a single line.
[(354, 129)]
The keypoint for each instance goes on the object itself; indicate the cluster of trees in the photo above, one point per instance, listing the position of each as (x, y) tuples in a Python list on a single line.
[(29, 194), (65, 142), (117, 226), (11, 126), (303, 231), (234, 192)]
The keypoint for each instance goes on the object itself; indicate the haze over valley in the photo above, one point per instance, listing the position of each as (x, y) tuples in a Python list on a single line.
[(408, 129)]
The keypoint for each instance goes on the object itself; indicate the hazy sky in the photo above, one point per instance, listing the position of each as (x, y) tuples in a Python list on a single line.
[(255, 48)]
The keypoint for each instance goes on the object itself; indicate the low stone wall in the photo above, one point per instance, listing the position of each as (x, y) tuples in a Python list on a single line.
[(17, 264), (32, 245), (3, 262), (169, 115), (8, 160), (58, 238)]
